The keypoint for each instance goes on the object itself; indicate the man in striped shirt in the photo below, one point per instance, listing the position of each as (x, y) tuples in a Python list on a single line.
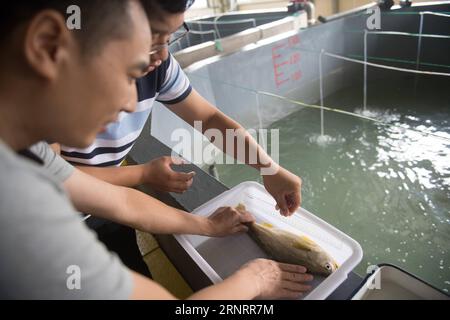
[(167, 83)]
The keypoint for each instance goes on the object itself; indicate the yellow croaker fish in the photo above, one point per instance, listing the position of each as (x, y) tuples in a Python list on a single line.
[(287, 247)]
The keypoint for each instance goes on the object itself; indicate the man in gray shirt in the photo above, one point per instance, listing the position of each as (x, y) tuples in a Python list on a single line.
[(47, 253), (63, 84)]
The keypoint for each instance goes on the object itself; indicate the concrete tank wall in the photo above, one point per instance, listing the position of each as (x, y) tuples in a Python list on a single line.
[(288, 65)]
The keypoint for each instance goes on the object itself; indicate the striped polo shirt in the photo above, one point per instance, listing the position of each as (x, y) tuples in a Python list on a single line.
[(167, 84)]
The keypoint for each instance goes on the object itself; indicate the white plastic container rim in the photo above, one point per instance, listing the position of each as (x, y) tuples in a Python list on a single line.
[(345, 250)]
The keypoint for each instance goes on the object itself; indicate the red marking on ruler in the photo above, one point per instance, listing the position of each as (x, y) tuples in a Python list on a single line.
[(296, 75), (295, 58), (293, 41), (278, 46), (276, 67), (279, 65), (291, 60)]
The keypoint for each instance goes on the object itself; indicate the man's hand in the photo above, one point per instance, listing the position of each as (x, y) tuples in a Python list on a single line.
[(285, 187), (159, 175), (273, 280), (227, 221)]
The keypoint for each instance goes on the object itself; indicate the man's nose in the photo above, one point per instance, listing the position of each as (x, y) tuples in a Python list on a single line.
[(131, 105), (162, 54)]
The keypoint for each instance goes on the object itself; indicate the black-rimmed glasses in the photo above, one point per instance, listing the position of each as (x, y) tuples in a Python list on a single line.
[(174, 37)]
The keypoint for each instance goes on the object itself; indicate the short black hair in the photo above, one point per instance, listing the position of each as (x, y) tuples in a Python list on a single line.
[(101, 20), (172, 6)]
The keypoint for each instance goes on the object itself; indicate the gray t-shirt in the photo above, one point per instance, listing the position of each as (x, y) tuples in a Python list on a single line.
[(46, 251), (53, 163)]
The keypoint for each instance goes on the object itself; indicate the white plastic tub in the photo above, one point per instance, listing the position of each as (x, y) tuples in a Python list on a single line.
[(389, 282), (220, 257)]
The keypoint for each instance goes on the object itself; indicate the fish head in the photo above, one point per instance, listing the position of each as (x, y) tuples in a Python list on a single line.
[(319, 261), (326, 264), (331, 266)]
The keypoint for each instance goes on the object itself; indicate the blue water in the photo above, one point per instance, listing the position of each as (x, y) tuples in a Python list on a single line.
[(387, 187)]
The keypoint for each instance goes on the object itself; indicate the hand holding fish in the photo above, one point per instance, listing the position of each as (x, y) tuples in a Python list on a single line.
[(287, 247), (226, 221), (273, 280), (285, 187)]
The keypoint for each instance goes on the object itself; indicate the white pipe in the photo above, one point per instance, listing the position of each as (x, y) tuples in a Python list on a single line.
[(387, 67), (311, 11), (436, 14), (216, 19), (233, 5), (396, 33), (322, 130), (253, 20), (258, 112), (204, 32), (365, 71), (419, 41), (215, 23)]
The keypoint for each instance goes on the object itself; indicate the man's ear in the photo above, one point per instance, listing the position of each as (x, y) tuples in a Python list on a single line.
[(47, 43)]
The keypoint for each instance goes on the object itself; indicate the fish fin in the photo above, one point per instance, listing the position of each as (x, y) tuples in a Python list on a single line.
[(301, 246), (241, 207), (305, 243), (267, 225), (308, 241)]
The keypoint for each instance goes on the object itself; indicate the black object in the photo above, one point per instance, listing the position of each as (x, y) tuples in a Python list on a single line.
[(30, 156), (385, 4), (122, 241), (322, 19), (405, 3), (295, 6)]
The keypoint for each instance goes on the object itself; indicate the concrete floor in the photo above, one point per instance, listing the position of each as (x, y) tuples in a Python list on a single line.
[(161, 268)]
